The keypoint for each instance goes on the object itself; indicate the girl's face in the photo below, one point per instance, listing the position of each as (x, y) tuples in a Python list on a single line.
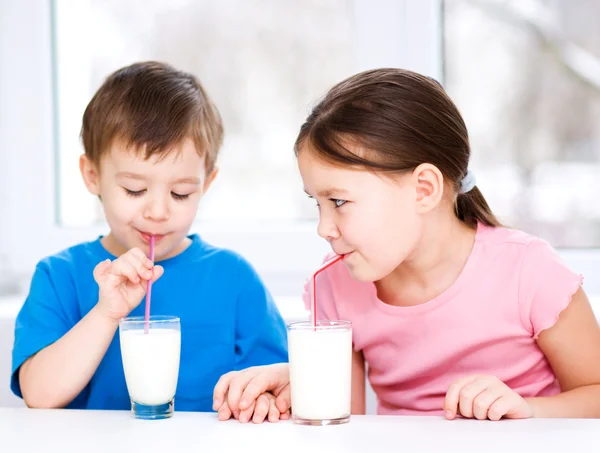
[(374, 220)]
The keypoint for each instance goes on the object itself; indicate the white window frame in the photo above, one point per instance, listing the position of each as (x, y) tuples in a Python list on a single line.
[(392, 33)]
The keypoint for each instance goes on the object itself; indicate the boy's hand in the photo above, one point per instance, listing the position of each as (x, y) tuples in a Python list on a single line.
[(263, 408), (122, 282), (484, 397), (240, 390)]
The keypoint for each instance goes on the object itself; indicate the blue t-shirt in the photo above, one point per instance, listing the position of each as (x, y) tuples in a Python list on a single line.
[(228, 320)]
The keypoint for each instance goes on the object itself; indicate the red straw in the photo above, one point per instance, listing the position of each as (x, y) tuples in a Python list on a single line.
[(149, 290), (314, 279)]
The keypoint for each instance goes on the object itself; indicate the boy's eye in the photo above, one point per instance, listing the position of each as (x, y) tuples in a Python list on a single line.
[(338, 203), (134, 193), (179, 196)]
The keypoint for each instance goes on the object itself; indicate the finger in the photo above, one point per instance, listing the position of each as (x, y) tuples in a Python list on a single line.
[(220, 390), (236, 388), (284, 400), (157, 272), (101, 269), (254, 388), (224, 412), (453, 394), (123, 268), (499, 408), (141, 257), (274, 414), (142, 264), (483, 402), (468, 394), (246, 414), (261, 409), (285, 415)]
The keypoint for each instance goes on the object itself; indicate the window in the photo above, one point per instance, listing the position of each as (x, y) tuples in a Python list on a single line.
[(264, 63), (526, 76)]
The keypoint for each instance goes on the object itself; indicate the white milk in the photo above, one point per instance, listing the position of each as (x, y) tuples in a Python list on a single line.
[(320, 373), (151, 363)]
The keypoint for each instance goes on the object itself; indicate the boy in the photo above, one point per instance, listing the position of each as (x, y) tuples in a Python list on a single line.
[(151, 137)]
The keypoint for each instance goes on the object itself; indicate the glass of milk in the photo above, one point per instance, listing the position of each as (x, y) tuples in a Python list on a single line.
[(320, 371), (151, 364)]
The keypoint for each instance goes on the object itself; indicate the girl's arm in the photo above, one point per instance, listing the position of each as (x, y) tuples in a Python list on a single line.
[(358, 406), (572, 346)]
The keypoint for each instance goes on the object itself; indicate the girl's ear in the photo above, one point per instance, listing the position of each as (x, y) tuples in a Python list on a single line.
[(429, 183)]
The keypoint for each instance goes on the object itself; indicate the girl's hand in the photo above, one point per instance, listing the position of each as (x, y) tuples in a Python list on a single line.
[(484, 397), (240, 390), (264, 408)]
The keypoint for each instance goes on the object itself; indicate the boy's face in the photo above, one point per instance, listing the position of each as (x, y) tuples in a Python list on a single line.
[(158, 196)]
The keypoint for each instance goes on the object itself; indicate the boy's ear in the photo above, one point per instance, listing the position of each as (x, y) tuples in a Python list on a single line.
[(209, 179), (90, 174)]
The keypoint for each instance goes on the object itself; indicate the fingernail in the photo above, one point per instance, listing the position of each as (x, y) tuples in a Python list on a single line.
[(244, 404), (448, 414)]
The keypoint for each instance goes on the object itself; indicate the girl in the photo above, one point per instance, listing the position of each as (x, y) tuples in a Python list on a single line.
[(452, 313)]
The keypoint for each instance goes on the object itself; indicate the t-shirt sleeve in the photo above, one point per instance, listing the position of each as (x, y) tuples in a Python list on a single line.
[(546, 287), (325, 300), (41, 321), (261, 336)]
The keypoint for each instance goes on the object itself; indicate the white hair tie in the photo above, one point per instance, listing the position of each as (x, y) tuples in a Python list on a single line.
[(468, 182)]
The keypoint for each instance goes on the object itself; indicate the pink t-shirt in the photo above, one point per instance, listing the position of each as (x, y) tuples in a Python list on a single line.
[(512, 287)]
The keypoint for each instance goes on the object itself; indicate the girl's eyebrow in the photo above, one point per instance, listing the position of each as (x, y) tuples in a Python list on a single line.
[(332, 192)]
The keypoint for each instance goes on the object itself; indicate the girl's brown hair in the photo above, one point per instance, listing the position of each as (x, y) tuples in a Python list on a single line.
[(402, 119)]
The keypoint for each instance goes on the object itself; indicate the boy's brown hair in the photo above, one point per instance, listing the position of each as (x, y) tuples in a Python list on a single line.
[(151, 107)]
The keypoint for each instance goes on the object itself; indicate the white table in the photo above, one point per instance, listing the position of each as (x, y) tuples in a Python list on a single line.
[(27, 430)]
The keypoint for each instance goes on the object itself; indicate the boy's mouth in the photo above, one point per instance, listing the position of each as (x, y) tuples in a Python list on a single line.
[(146, 236)]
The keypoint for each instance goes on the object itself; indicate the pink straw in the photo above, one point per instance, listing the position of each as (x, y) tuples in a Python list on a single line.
[(314, 279), (149, 290)]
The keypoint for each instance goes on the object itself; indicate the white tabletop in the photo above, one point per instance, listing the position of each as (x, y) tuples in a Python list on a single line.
[(27, 430)]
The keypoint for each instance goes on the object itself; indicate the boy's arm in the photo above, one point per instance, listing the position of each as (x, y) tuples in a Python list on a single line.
[(53, 377), (261, 337), (53, 360)]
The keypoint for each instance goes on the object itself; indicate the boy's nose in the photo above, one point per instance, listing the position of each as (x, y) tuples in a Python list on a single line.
[(157, 210)]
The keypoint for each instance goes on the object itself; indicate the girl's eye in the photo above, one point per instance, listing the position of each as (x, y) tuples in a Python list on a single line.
[(338, 203), (134, 193), (317, 203), (179, 196)]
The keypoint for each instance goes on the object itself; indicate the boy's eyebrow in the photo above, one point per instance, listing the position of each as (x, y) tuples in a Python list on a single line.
[(191, 180), (127, 174), (330, 193)]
